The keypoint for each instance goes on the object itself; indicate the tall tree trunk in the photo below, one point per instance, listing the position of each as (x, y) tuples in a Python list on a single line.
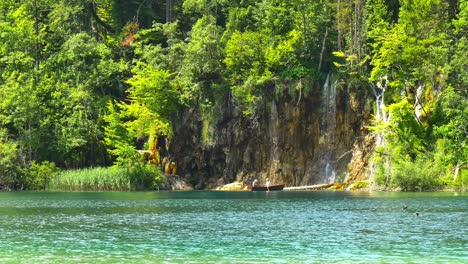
[(36, 31), (169, 5), (340, 34)]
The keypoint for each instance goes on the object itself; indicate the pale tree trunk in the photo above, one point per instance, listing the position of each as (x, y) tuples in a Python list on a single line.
[(418, 102), (323, 48), (455, 173)]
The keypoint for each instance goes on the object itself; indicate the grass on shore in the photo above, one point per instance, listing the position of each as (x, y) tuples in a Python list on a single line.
[(104, 179)]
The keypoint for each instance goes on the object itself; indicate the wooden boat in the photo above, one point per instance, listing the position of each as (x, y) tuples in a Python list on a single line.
[(264, 188)]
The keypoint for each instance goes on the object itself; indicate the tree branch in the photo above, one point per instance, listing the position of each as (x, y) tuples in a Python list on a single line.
[(92, 11), (323, 48)]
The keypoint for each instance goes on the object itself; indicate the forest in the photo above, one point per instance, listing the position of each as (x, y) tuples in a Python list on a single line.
[(98, 86)]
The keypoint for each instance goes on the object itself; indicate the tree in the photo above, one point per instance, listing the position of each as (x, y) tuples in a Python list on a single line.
[(10, 173), (151, 101), (451, 132), (246, 64), (20, 56), (459, 60), (51, 78), (410, 68)]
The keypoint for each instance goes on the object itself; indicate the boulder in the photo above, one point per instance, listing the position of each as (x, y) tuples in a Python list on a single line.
[(235, 186), (177, 183)]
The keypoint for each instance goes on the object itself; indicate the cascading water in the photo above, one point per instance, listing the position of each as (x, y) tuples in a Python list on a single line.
[(329, 100), (274, 139), (328, 129), (330, 173)]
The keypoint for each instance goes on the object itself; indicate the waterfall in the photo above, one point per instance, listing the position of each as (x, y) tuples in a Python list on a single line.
[(328, 129), (330, 173), (274, 130), (274, 157), (381, 116), (329, 108)]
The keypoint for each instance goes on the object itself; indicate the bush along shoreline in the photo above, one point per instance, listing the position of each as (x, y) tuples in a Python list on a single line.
[(46, 176)]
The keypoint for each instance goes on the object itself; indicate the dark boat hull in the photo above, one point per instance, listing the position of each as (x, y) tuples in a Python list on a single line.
[(264, 188)]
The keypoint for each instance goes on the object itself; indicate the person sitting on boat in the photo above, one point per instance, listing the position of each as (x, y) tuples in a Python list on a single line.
[(254, 183)]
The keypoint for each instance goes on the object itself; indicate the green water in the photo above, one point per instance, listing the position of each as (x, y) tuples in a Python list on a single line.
[(233, 227)]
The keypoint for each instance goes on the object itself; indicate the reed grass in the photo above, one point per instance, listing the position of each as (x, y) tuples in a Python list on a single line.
[(93, 179)]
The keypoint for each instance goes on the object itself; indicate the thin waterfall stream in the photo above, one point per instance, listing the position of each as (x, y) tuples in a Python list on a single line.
[(328, 129)]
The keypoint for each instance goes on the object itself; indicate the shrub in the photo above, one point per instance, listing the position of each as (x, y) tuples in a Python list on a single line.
[(457, 178), (10, 172), (146, 176), (418, 175), (39, 174)]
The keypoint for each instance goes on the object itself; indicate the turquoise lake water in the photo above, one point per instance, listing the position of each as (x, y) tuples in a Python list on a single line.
[(233, 227)]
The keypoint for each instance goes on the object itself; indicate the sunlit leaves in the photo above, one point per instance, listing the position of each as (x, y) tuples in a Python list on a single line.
[(415, 54), (151, 87), (245, 55), (246, 63), (117, 138), (151, 101)]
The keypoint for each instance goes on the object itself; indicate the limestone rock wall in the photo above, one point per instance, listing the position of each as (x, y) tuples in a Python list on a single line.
[(317, 138)]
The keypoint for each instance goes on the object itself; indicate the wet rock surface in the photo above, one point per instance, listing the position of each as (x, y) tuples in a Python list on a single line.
[(177, 183)]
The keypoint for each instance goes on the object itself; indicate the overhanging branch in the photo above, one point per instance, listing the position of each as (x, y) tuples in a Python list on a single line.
[(92, 11)]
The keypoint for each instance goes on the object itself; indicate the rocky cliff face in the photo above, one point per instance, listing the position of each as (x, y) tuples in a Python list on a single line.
[(303, 140)]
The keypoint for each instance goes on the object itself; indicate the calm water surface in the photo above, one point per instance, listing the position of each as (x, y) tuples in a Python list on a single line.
[(233, 227)]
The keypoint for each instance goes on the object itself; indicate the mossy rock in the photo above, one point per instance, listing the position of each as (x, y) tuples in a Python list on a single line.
[(337, 186), (360, 185)]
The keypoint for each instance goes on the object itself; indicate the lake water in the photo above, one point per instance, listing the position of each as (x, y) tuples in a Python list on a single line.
[(233, 227)]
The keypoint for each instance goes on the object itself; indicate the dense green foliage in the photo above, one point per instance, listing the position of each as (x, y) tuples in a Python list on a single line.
[(83, 82), (423, 120)]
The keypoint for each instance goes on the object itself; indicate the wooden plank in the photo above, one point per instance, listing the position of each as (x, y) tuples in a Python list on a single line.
[(309, 187)]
